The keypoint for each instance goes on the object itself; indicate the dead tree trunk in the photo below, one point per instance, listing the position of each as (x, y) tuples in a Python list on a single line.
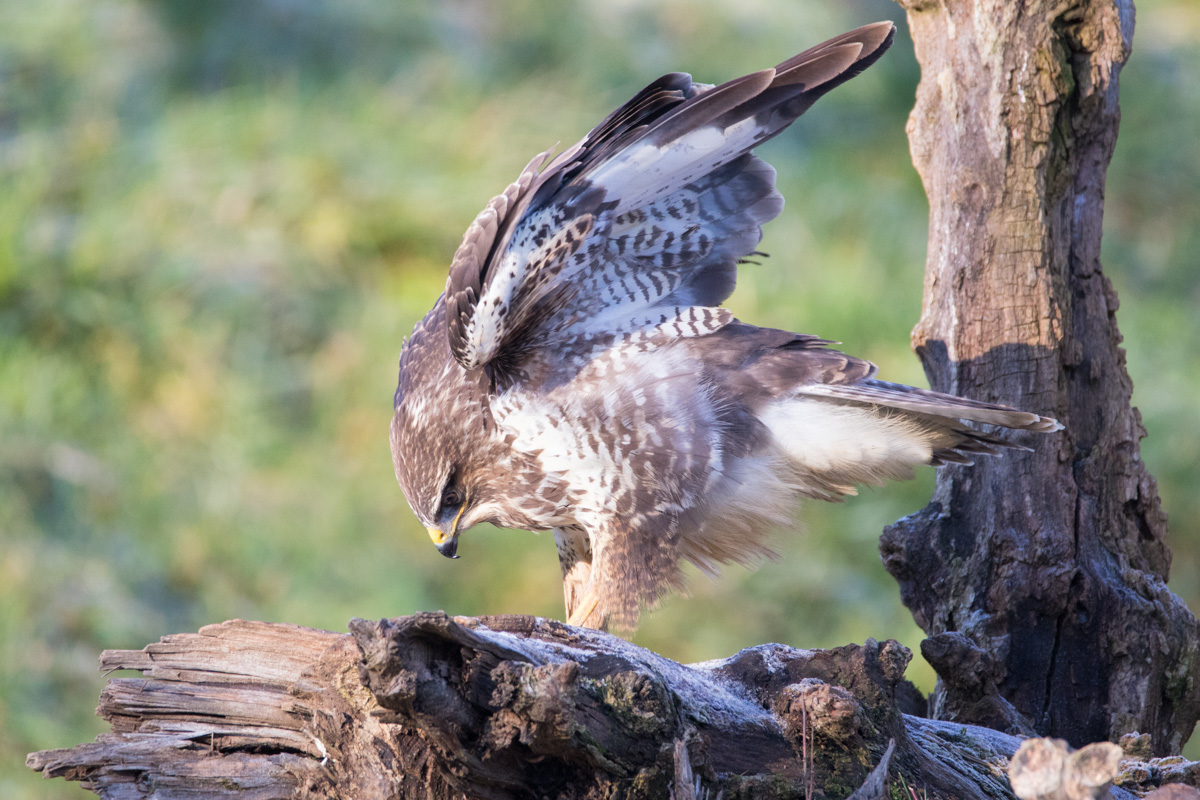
[(518, 707), (1040, 575)]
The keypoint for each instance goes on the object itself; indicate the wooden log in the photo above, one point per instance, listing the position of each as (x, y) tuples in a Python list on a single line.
[(216, 714), (437, 707)]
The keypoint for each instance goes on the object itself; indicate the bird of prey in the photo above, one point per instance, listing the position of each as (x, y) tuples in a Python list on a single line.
[(580, 375)]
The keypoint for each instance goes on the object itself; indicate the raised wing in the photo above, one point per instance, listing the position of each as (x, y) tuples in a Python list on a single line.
[(640, 226)]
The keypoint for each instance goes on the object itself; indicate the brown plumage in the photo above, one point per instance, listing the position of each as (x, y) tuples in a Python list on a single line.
[(580, 375)]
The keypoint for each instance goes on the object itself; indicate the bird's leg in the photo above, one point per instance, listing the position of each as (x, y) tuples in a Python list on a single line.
[(575, 587), (583, 614), (575, 557), (583, 603)]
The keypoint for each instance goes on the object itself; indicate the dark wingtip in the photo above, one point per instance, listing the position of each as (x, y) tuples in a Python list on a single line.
[(876, 38), (877, 35)]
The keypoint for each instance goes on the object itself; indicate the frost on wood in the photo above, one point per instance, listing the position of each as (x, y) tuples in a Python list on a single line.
[(512, 707), (1040, 577)]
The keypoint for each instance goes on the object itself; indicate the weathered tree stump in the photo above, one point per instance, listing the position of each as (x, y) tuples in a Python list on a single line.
[(512, 707), (1040, 577)]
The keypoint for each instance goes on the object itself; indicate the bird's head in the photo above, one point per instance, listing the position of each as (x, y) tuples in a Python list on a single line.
[(439, 436)]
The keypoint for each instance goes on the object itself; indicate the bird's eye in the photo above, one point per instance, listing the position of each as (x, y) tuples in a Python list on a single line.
[(451, 497)]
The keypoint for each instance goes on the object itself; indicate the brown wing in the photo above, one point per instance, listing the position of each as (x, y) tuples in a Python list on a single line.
[(651, 210)]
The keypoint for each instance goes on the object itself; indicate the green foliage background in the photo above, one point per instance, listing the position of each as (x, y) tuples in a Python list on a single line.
[(218, 220)]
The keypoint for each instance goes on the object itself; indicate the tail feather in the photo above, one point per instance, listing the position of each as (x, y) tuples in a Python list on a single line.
[(836, 436), (934, 404), (956, 444)]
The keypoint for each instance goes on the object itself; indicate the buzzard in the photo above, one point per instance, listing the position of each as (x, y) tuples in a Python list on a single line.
[(580, 375)]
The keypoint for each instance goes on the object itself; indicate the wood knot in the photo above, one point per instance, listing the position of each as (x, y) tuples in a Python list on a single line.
[(534, 705), (960, 663), (813, 708)]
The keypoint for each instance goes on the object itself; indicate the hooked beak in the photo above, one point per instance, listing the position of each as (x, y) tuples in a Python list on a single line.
[(447, 544)]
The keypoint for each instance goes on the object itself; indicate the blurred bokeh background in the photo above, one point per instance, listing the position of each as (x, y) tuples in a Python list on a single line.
[(218, 220)]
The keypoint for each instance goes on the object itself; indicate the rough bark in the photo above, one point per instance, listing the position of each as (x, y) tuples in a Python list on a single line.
[(512, 707), (1040, 576)]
